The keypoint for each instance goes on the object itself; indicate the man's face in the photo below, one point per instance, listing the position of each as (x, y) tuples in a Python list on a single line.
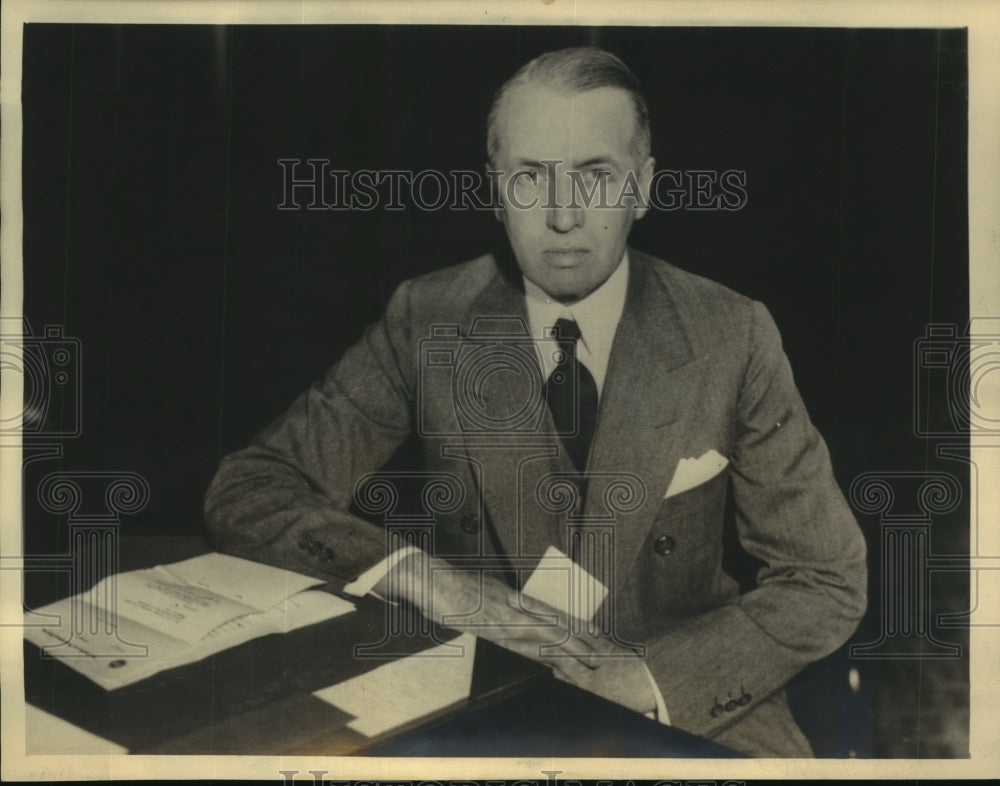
[(564, 242)]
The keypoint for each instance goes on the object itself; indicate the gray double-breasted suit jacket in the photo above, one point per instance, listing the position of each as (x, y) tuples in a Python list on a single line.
[(694, 368)]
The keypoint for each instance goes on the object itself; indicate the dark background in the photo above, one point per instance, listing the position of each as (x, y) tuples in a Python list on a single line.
[(152, 235)]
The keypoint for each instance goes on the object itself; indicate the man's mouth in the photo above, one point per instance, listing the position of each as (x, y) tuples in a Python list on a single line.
[(565, 257)]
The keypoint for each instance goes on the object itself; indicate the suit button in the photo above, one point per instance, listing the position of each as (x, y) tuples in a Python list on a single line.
[(326, 556), (470, 523), (664, 545), (314, 548)]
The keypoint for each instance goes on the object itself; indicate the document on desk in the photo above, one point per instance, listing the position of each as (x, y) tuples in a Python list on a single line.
[(133, 625), (406, 689)]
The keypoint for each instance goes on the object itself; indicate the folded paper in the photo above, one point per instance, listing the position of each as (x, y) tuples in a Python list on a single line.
[(564, 585)]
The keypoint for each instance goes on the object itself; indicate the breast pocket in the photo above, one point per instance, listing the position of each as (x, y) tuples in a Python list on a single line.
[(710, 494), (678, 570), (686, 534)]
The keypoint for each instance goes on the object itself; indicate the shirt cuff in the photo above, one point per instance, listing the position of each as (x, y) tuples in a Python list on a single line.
[(660, 713), (364, 583)]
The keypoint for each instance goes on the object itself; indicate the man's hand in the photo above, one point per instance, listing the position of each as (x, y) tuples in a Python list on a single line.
[(481, 604), (615, 673)]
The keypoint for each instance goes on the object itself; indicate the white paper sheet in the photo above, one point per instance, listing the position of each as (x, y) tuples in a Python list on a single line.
[(257, 585), (172, 615), (407, 689), (563, 584)]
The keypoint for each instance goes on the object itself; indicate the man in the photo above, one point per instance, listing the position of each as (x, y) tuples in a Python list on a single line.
[(658, 394)]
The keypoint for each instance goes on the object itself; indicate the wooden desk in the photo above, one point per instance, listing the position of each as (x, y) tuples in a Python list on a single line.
[(256, 699)]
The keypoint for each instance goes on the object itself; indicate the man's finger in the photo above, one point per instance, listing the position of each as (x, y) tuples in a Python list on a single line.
[(535, 610), (563, 647), (580, 650), (572, 671)]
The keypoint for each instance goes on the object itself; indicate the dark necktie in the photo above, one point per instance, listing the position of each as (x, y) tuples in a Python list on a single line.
[(571, 394)]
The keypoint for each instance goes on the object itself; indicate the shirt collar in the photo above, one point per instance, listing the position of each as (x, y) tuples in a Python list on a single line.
[(597, 315)]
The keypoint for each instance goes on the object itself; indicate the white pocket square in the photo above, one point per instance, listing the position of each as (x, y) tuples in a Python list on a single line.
[(693, 472)]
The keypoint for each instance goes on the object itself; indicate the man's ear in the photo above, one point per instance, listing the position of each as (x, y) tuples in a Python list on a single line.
[(644, 177)]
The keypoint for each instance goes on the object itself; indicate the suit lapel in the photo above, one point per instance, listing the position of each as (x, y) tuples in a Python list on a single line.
[(510, 438), (641, 424)]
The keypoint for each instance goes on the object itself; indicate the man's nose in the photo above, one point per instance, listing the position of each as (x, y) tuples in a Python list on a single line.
[(565, 213)]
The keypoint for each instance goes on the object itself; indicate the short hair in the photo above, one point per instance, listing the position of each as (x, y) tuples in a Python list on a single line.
[(577, 69)]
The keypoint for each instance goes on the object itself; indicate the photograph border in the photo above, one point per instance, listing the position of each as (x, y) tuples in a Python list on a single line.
[(983, 22)]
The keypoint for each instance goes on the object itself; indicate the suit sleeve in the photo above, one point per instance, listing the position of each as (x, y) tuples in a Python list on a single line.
[(285, 499), (790, 513)]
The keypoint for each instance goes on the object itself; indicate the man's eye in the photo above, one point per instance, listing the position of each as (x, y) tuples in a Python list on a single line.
[(527, 177)]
